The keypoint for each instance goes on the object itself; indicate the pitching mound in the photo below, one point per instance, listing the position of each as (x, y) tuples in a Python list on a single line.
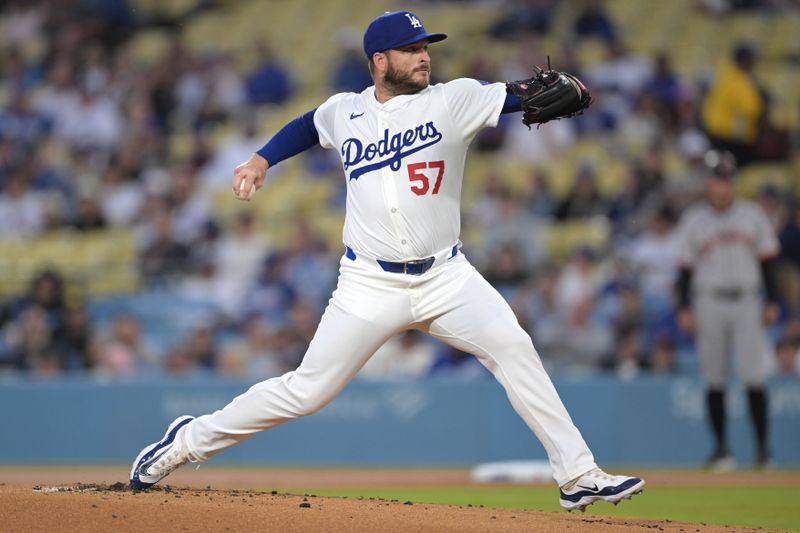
[(88, 507)]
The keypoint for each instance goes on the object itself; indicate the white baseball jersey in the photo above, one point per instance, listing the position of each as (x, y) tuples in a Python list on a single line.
[(724, 248), (404, 163)]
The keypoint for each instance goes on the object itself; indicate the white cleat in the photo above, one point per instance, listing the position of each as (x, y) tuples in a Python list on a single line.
[(159, 459), (597, 485), (721, 462)]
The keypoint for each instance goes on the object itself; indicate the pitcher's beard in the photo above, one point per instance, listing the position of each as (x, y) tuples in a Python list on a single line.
[(400, 83)]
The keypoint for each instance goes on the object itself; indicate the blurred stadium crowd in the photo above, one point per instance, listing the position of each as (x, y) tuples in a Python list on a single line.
[(123, 253)]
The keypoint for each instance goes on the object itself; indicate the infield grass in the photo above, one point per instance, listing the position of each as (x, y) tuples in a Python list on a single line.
[(765, 507)]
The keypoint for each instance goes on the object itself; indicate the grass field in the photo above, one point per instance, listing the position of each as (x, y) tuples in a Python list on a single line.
[(765, 507)]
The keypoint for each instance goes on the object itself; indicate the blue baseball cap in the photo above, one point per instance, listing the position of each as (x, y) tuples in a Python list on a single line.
[(395, 29)]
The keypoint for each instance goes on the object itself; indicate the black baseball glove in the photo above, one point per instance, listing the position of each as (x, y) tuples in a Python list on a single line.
[(549, 95)]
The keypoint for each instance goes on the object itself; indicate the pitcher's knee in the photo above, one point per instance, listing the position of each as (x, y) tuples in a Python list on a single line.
[(511, 346), (309, 406), (304, 402), (514, 341), (303, 393)]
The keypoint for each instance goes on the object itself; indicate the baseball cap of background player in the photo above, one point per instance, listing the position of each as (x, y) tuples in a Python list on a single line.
[(394, 29), (720, 164)]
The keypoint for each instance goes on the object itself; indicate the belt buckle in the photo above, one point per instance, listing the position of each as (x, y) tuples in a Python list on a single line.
[(413, 263), (405, 265)]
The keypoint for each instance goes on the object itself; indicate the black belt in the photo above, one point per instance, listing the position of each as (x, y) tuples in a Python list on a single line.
[(414, 268), (729, 293)]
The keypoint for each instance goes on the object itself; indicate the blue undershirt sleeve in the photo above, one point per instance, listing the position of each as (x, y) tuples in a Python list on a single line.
[(512, 103), (297, 136)]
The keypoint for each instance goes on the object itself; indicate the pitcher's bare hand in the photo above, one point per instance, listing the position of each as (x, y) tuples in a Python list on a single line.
[(249, 177)]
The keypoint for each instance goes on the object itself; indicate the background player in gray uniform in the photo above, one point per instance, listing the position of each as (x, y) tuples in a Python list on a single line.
[(728, 252)]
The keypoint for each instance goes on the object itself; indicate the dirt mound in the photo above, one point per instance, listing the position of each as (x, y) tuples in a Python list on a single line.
[(115, 507)]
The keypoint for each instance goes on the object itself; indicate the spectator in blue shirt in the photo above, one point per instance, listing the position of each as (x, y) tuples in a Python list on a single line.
[(593, 21), (351, 74), (269, 82)]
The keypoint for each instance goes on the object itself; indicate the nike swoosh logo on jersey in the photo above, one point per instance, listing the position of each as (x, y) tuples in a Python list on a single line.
[(353, 115)]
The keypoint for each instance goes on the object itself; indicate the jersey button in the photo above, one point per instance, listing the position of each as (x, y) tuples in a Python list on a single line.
[(394, 210), (403, 241)]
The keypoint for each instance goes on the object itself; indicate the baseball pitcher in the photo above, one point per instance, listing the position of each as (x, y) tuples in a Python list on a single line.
[(403, 143)]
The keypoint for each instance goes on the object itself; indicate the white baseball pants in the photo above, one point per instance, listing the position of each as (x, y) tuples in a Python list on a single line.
[(453, 303)]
